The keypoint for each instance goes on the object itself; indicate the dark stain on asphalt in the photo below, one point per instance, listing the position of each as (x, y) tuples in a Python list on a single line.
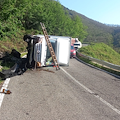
[(27, 113), (47, 70)]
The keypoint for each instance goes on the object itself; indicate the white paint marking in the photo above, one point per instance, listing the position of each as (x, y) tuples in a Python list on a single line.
[(91, 92), (4, 86)]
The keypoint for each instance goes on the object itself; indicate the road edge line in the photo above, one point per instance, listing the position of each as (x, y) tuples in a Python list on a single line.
[(4, 86), (91, 92)]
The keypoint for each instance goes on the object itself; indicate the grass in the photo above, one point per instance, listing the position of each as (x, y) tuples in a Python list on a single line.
[(101, 51), (13, 42), (98, 66), (24, 53)]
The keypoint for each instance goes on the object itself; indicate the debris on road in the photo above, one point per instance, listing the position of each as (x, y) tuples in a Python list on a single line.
[(38, 54), (6, 91), (47, 70)]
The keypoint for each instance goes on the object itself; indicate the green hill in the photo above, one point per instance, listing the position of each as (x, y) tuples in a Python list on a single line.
[(98, 32), (101, 51), (19, 17)]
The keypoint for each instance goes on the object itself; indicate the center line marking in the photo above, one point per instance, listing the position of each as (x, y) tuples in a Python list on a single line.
[(91, 92)]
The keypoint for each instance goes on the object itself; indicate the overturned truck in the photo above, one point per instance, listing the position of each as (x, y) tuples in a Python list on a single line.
[(61, 46), (38, 51)]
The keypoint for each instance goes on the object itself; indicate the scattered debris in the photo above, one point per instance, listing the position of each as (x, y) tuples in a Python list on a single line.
[(45, 70), (6, 91), (19, 65)]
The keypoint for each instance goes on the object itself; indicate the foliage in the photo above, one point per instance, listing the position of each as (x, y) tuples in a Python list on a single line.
[(19, 17), (101, 51), (98, 66), (27, 14), (98, 32)]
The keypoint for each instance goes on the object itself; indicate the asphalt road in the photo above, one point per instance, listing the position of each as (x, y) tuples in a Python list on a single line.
[(77, 92)]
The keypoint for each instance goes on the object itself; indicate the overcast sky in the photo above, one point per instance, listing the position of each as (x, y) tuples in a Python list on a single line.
[(104, 11)]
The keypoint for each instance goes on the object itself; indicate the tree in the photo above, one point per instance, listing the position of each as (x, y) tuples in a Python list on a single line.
[(27, 15)]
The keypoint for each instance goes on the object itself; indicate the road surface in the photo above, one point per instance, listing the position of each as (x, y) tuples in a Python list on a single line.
[(77, 92)]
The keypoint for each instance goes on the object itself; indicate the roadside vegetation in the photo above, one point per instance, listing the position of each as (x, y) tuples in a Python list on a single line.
[(99, 32), (99, 66), (101, 51), (20, 17)]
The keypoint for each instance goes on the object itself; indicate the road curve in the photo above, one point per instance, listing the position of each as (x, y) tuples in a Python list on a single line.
[(76, 92)]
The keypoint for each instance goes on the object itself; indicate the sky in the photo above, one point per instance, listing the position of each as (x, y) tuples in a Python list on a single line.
[(103, 11)]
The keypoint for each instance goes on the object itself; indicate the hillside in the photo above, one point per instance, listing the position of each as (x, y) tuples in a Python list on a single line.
[(101, 51), (20, 17), (98, 32), (23, 17)]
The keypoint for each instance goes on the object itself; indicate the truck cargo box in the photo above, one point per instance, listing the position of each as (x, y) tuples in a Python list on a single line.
[(61, 46)]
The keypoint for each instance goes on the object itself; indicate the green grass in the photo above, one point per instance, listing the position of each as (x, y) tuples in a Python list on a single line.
[(101, 51), (98, 66), (24, 53)]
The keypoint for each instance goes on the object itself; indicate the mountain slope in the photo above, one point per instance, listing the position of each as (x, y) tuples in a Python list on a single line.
[(101, 51), (98, 32)]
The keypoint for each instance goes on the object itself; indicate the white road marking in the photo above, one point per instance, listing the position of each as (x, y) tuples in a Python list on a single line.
[(91, 92), (4, 86)]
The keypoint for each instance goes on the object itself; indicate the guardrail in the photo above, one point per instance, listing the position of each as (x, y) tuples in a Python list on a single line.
[(103, 63)]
